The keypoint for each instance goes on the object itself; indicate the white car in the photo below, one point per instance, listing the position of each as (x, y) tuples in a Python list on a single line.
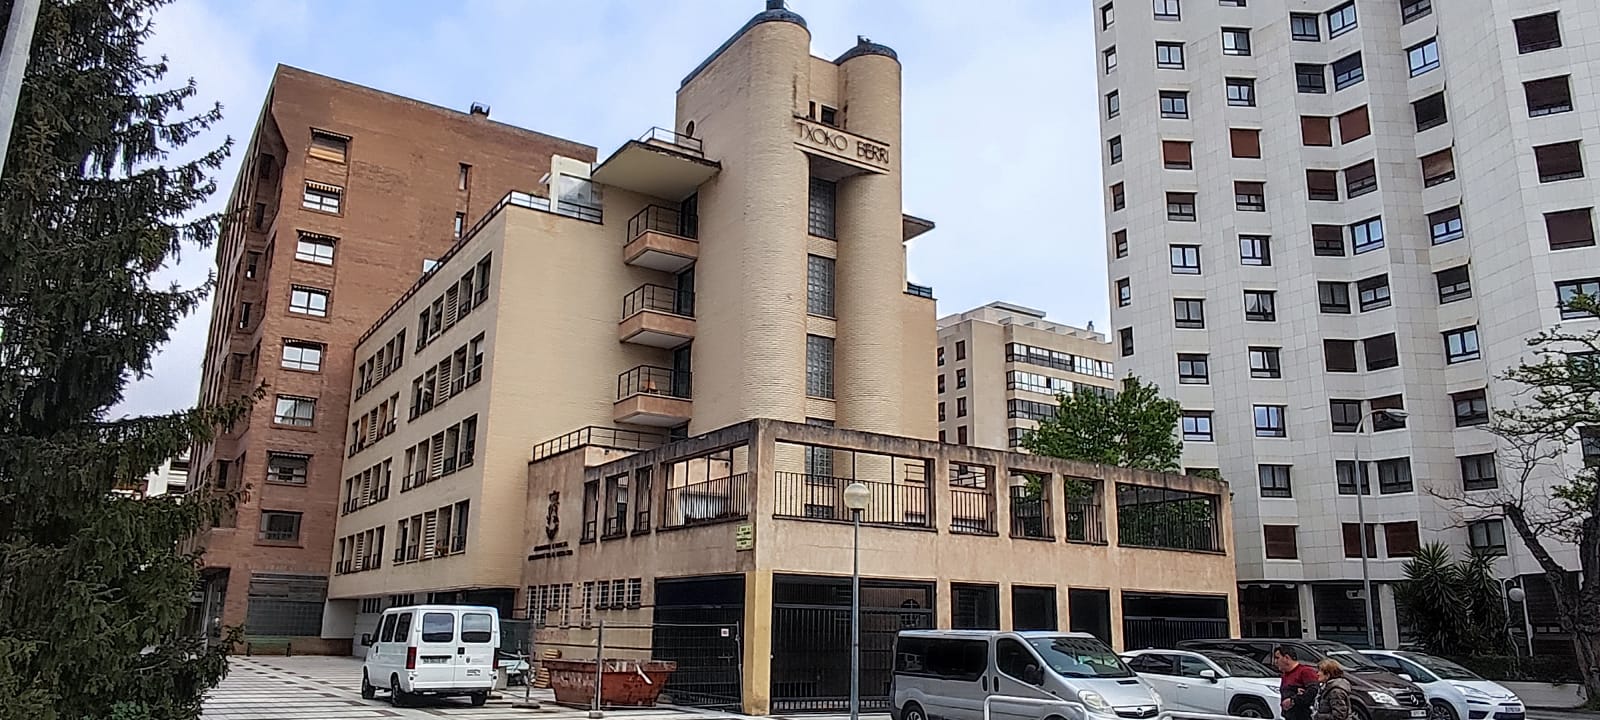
[(1454, 692), (1209, 681)]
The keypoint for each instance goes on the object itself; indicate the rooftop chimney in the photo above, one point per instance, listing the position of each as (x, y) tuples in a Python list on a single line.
[(775, 4), (480, 110), (1091, 326)]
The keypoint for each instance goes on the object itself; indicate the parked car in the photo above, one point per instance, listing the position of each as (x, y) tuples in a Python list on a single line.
[(1209, 681), (947, 674), (438, 650), (1454, 692), (1376, 693)]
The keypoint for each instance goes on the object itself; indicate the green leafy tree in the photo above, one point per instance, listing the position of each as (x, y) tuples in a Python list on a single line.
[(1135, 428), (93, 585), (1454, 606)]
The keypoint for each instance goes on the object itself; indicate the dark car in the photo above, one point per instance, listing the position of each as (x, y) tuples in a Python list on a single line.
[(1377, 694)]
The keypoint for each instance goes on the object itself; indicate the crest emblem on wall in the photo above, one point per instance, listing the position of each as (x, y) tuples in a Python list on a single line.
[(552, 518)]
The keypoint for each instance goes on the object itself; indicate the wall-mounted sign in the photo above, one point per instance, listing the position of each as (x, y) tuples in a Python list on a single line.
[(846, 146), (744, 536)]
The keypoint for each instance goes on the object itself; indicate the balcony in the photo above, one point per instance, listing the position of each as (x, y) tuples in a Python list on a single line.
[(649, 395), (662, 238), (657, 316), (661, 163), (806, 496)]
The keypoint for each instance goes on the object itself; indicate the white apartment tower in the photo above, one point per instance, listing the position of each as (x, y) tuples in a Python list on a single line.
[(1318, 211)]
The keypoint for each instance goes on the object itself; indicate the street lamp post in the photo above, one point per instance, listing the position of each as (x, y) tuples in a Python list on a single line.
[(856, 497), (1361, 519)]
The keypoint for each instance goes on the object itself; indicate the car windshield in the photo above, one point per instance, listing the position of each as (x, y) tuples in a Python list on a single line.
[(1443, 668), (1347, 657), (1076, 657), (1239, 665)]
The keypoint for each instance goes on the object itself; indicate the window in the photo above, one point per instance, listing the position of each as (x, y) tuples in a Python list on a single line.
[(1242, 92), (1570, 228), (1373, 292), (819, 366), (1537, 32), (1548, 96), (1394, 476), (1341, 19), (1361, 179), (1185, 259), (1333, 297), (1119, 200), (941, 413), (302, 355), (1353, 537), (1110, 56), (328, 146), (1250, 196), (1400, 538), (1310, 78), (308, 301), (277, 526), (1445, 225), (1189, 313), (1269, 421), (1472, 407), (819, 285), (1589, 445), (1231, 3), (1478, 472), (1125, 339), (1166, 9), (1259, 305), (1559, 161), (1174, 104), (1180, 206), (1327, 240), (1274, 480), (1439, 167), (1367, 235), (1115, 145), (463, 176), (961, 378), (1339, 355), (1487, 537), (1345, 474), (314, 248), (941, 383), (1423, 57), (287, 468), (961, 407), (1124, 293), (1304, 27), (460, 225), (1175, 154), (1354, 125), (1266, 362), (1108, 16), (244, 316), (1454, 284), (1235, 41), (1461, 345), (296, 411), (1255, 250), (961, 353), (1345, 415), (1279, 539), (1381, 352), (1382, 421), (1245, 142), (322, 198), (1113, 104), (1566, 290), (961, 435), (1169, 55), (1347, 71), (1119, 243), (1322, 185), (821, 202), (1414, 9), (1197, 425), (1430, 111), (1194, 369), (1316, 131)]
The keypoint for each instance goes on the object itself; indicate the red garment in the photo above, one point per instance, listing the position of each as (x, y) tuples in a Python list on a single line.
[(1299, 686)]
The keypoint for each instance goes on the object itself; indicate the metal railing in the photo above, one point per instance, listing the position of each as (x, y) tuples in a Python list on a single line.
[(706, 502), (922, 291), (653, 380), (615, 526), (661, 219), (803, 496), (1085, 522), (659, 298), (1030, 515), (971, 510), (579, 210), (658, 135), (611, 438), (1167, 519)]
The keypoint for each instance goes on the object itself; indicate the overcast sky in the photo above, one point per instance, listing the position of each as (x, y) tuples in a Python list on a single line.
[(1000, 139)]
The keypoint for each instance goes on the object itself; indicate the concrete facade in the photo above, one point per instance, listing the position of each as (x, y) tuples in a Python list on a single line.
[(1230, 129)]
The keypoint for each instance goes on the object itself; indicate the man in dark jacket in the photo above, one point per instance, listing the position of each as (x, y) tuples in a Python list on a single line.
[(1298, 686)]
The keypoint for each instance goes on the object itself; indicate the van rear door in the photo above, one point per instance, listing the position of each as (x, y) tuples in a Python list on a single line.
[(480, 635), (436, 647)]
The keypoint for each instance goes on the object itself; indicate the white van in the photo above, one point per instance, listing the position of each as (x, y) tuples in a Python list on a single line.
[(947, 675), (439, 650)]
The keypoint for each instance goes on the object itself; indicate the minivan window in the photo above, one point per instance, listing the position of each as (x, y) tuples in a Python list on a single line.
[(1240, 666), (1079, 657), (1012, 658), (1152, 663), (402, 628), (941, 658), (388, 629), (477, 628), (1346, 656), (1441, 667), (438, 627)]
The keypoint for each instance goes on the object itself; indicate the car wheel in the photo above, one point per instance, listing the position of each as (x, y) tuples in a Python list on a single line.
[(368, 692), (479, 699), (1251, 709), (1360, 712), (1442, 711), (397, 697), (912, 711)]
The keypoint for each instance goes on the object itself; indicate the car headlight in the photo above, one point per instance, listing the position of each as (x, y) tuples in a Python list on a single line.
[(1382, 698), (1473, 694), (1156, 694), (1094, 701)]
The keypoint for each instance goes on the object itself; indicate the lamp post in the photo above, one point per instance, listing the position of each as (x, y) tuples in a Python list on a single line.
[(856, 497), (1361, 519)]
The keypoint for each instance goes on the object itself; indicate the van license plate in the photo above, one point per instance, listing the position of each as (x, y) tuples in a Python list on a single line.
[(1419, 713), (435, 660), (472, 672)]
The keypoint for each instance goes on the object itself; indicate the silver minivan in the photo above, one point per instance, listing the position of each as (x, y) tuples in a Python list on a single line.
[(947, 674)]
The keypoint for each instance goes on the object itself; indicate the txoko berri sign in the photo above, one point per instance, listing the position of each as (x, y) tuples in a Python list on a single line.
[(839, 144)]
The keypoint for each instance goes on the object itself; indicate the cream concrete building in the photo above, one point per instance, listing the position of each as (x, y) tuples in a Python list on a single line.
[(1002, 366), (1317, 211)]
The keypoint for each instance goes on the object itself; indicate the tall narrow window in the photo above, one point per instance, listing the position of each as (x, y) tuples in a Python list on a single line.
[(1110, 56), (463, 176), (822, 202), (1114, 146), (460, 225), (1113, 104), (819, 285), (819, 366)]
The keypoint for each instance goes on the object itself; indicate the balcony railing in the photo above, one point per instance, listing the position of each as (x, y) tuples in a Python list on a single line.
[(1086, 522), (659, 298), (598, 436), (663, 136), (1168, 519), (652, 380), (971, 510), (1030, 515), (657, 218), (922, 291), (803, 496), (615, 527), (718, 500)]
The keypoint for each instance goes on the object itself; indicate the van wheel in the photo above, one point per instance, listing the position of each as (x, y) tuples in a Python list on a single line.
[(397, 697), (368, 692), (912, 711), (479, 699), (1251, 708), (1442, 711)]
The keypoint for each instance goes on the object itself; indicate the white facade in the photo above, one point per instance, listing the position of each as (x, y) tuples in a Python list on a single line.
[(171, 477), (1504, 246)]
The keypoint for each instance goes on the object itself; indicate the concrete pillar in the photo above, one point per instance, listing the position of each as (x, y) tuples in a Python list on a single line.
[(1388, 616), (757, 643), (1116, 620), (1308, 613)]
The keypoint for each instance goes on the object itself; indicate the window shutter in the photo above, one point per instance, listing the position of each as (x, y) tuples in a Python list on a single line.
[(430, 533), (1316, 130), (361, 551), (1354, 125), (1176, 153), (1439, 164), (452, 305), (442, 391), (1246, 142), (436, 457)]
